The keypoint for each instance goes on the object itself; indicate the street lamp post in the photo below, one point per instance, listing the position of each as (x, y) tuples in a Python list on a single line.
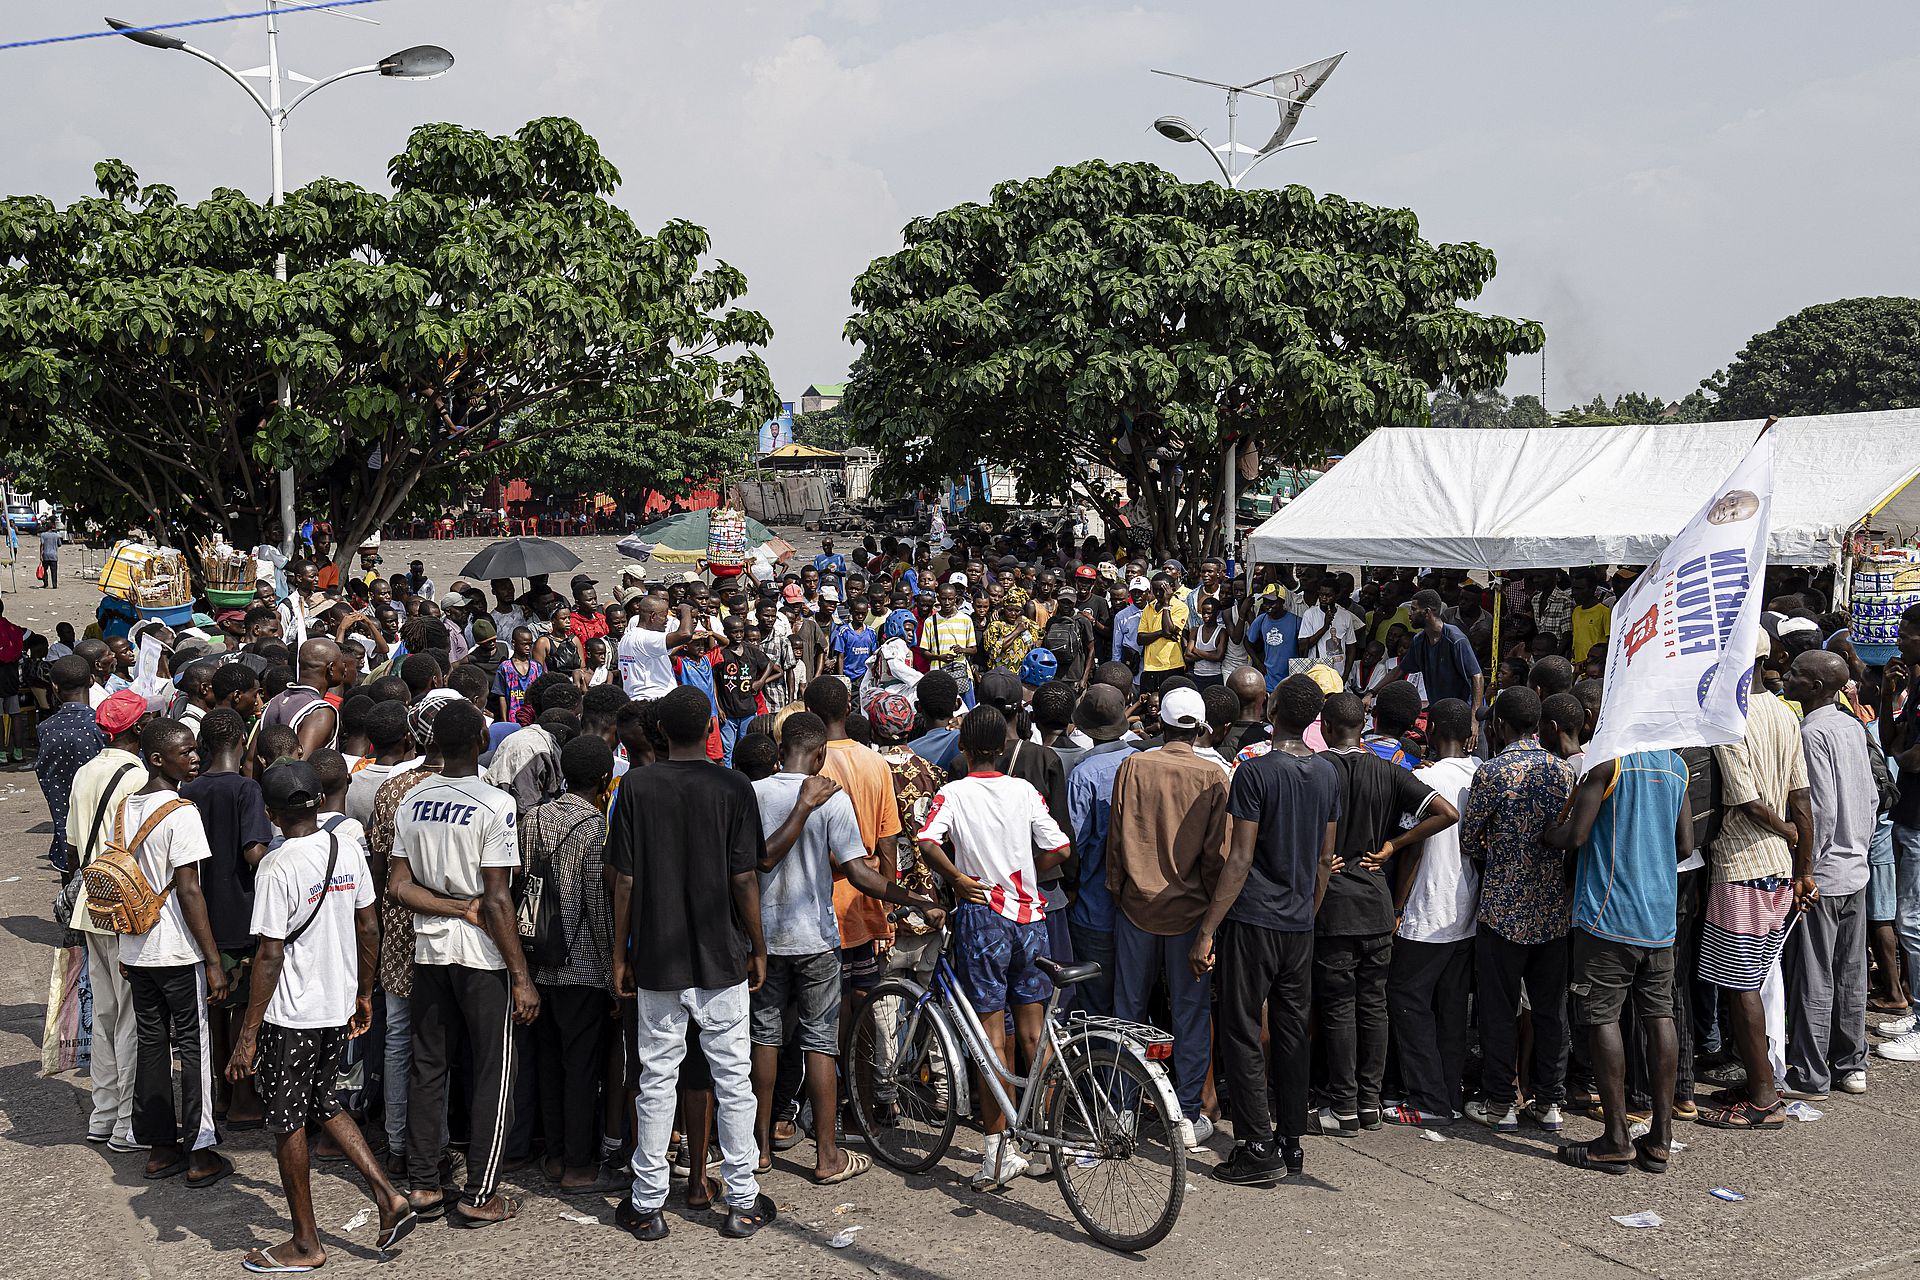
[(421, 62), (1290, 90)]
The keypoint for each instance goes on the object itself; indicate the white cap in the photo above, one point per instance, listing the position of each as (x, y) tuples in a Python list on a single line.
[(957, 579), (1183, 708), (1139, 584)]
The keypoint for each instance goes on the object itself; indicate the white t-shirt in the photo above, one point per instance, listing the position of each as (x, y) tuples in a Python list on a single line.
[(448, 829), (319, 976), (646, 667), (1446, 887), (364, 783), (1331, 648), (179, 840), (995, 823)]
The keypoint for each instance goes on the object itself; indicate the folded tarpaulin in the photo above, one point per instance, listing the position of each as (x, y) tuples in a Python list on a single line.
[(1456, 498)]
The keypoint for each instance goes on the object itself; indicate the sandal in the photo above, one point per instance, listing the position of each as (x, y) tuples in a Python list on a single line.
[(1744, 1115), (268, 1266), (172, 1170), (1686, 1111), (427, 1210), (604, 1181), (509, 1210), (858, 1162), (1644, 1156), (1580, 1156), (222, 1170), (394, 1234), (790, 1139), (712, 1204), (742, 1223)]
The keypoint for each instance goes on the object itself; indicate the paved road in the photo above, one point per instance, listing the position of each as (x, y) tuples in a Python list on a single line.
[(1387, 1204)]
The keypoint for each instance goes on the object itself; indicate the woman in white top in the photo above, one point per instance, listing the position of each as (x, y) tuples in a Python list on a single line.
[(1207, 644)]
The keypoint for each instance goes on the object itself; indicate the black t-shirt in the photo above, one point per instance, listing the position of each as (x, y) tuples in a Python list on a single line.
[(1378, 801), (235, 816), (682, 829), (1906, 810), (1040, 766), (733, 682), (1291, 799)]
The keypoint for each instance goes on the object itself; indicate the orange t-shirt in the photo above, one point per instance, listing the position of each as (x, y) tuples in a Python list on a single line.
[(868, 782), (329, 576)]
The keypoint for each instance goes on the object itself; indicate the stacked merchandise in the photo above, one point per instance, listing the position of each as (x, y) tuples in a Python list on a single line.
[(1886, 583), (230, 573), (726, 540)]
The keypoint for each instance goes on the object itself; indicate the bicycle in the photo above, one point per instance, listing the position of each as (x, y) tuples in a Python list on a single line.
[(1103, 1109)]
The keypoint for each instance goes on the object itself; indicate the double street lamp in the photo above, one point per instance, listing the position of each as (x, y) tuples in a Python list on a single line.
[(421, 62), (1290, 91)]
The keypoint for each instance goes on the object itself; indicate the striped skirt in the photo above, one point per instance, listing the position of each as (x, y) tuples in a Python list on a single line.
[(1745, 928)]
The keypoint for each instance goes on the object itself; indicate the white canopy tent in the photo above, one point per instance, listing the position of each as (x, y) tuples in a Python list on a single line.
[(1555, 497)]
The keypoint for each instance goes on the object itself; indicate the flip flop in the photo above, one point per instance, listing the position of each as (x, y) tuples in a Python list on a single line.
[(1580, 1156), (394, 1234), (602, 1183), (220, 1172), (789, 1141), (509, 1210), (858, 1162), (173, 1170), (271, 1268), (429, 1211), (1644, 1157)]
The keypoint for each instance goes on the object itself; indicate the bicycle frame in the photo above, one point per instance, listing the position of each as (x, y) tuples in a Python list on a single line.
[(947, 1003)]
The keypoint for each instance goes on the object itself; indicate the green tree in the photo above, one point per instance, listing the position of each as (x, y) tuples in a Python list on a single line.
[(141, 339), (1479, 410), (588, 457), (1848, 356), (1527, 411), (824, 428), (1113, 319)]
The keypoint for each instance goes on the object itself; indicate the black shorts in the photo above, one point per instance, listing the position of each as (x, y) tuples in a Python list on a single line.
[(859, 969), (295, 1073), (1602, 973)]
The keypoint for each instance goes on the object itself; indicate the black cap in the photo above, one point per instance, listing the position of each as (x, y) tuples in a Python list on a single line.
[(1001, 689), (292, 787), (580, 580)]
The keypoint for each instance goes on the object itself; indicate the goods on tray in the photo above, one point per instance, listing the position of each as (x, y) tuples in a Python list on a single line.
[(726, 538), (1885, 585)]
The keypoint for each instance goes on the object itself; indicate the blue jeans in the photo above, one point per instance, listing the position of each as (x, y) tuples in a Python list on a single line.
[(1906, 868), (660, 1028), (731, 731), (1140, 958), (398, 1052)]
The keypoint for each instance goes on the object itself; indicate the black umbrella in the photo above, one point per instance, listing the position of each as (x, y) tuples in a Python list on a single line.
[(520, 558)]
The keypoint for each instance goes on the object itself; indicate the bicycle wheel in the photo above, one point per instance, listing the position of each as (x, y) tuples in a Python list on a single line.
[(900, 1078), (1123, 1170)]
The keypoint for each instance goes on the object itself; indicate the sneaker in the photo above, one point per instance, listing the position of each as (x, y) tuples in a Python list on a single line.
[(1000, 1165), (99, 1137), (1730, 1074), (1251, 1165), (1547, 1116), (1504, 1120), (1370, 1118), (1853, 1082), (1415, 1118), (1898, 1026), (1338, 1126), (1904, 1049), (1196, 1131), (124, 1143), (1805, 1095)]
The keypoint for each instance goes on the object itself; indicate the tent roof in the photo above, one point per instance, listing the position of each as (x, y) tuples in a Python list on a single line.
[(802, 451), (1456, 498)]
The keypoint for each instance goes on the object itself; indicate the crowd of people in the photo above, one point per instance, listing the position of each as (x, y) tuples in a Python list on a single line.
[(495, 881)]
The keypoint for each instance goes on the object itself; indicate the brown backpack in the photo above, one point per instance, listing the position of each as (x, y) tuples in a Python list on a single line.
[(119, 899)]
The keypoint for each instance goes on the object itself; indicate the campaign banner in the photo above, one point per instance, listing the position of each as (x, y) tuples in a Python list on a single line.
[(1684, 634)]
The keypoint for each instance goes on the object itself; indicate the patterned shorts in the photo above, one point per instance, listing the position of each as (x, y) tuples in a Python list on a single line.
[(995, 958), (295, 1073), (1745, 928)]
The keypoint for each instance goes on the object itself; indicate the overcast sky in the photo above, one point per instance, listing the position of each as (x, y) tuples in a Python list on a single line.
[(1659, 181)]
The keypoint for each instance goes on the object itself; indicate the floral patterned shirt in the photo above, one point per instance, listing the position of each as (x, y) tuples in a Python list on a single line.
[(915, 782), (1514, 798), (396, 922)]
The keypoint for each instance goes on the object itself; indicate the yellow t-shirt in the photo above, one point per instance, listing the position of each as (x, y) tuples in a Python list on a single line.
[(1163, 654), (1591, 626)]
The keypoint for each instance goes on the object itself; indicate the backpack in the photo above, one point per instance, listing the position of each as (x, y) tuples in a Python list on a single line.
[(542, 931), (1064, 637), (563, 652), (119, 899)]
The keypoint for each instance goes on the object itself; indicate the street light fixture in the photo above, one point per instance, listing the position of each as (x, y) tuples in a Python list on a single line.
[(421, 62), (1290, 91)]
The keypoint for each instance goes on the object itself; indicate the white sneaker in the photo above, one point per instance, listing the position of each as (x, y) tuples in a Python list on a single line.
[(1000, 1165), (1904, 1049), (1899, 1026), (1548, 1116), (1853, 1082), (1195, 1132), (1502, 1121)]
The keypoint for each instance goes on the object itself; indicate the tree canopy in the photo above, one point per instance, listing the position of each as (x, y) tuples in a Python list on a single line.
[(1838, 357), (1112, 316), (141, 339)]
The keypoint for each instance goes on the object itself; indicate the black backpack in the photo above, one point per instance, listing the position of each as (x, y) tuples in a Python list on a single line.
[(563, 652)]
